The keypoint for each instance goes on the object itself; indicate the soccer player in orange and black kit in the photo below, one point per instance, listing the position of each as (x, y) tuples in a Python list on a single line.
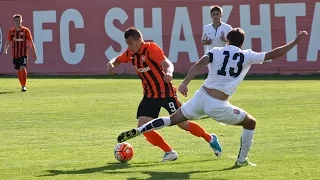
[(20, 36), (155, 71)]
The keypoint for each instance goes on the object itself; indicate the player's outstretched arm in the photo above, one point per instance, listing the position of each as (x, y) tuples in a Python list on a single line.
[(280, 51), (196, 68)]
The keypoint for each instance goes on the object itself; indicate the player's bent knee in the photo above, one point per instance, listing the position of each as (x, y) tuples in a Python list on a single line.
[(252, 124), (249, 123)]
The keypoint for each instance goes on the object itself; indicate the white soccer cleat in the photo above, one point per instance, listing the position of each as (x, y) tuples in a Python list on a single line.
[(170, 156)]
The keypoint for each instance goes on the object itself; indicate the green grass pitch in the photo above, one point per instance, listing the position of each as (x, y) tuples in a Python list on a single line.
[(66, 128)]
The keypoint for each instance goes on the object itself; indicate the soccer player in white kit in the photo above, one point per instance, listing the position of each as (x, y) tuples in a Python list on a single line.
[(229, 66), (215, 33)]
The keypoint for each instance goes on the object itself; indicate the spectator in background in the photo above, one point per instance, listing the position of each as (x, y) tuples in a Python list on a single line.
[(215, 33)]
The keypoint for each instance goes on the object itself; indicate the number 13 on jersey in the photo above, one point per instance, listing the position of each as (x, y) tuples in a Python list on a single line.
[(237, 56)]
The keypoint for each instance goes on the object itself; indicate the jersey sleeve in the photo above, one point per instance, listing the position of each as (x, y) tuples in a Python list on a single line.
[(124, 57), (28, 35), (156, 54), (257, 58), (210, 55), (9, 37)]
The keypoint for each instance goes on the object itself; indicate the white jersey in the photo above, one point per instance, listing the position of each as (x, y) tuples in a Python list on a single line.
[(214, 34), (229, 65)]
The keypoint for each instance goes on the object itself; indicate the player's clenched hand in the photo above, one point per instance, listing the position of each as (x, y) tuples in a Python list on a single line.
[(183, 89), (301, 35), (110, 68), (167, 77)]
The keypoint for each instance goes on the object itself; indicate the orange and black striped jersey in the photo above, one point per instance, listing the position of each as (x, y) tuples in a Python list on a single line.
[(147, 63), (19, 41)]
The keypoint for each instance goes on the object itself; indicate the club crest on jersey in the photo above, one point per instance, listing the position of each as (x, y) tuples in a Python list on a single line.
[(1, 38), (236, 111)]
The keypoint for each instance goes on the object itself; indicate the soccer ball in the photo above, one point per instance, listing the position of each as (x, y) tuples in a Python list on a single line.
[(123, 152)]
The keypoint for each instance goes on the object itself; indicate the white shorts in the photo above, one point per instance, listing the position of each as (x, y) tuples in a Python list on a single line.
[(203, 104)]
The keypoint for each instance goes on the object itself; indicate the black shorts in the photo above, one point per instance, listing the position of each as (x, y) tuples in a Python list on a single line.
[(21, 61), (150, 107)]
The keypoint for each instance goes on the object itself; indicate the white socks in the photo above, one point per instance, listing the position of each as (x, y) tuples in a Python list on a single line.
[(246, 143), (167, 121), (155, 124)]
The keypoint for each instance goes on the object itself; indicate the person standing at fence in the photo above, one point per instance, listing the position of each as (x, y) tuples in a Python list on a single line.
[(155, 72), (215, 33), (20, 36)]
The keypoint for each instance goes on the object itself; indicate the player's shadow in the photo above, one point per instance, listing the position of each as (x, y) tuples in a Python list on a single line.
[(112, 167), (229, 168), (7, 92), (166, 175), (109, 166)]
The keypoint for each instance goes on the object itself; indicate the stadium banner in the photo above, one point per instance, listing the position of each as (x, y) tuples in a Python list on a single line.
[(80, 37)]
